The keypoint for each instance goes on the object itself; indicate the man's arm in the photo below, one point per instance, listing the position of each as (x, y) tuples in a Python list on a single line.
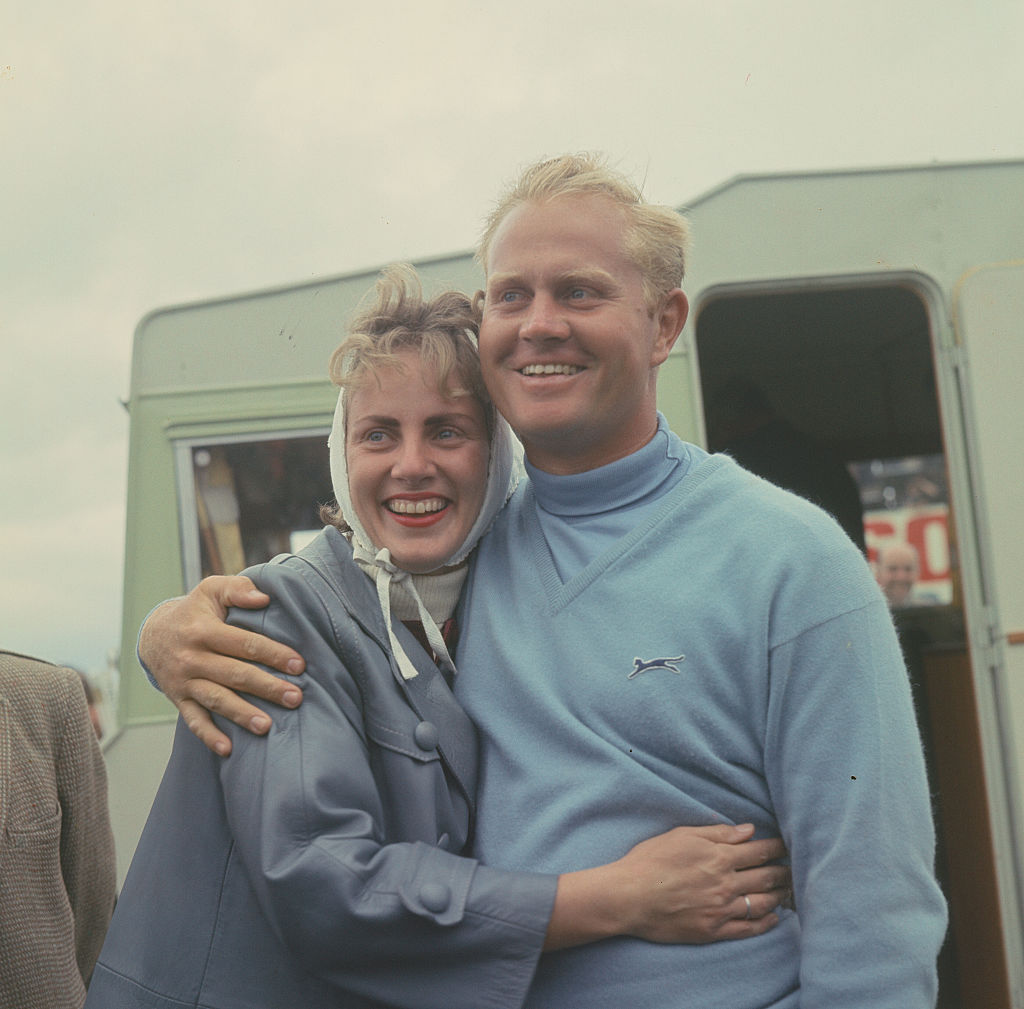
[(859, 828), (200, 662)]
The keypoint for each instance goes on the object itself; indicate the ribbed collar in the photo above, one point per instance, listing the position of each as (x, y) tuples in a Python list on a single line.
[(637, 477)]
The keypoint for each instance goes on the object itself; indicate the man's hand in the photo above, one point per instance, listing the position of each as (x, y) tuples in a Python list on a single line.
[(200, 661), (689, 885)]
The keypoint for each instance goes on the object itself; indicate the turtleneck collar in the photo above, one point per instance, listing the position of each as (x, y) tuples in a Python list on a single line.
[(636, 477)]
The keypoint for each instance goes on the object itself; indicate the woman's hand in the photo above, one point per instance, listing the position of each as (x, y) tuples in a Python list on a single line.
[(689, 885)]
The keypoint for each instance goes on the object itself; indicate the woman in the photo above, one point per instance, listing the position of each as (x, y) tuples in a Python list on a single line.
[(320, 866)]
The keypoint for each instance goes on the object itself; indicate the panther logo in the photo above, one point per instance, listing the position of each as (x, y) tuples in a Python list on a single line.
[(640, 666)]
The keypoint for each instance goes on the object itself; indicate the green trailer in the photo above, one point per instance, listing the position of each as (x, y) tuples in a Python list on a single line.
[(878, 312)]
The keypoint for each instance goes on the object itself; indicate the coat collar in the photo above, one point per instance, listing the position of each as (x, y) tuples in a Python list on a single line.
[(428, 694)]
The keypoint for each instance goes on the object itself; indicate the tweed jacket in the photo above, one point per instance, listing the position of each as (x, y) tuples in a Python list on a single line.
[(57, 872), (321, 866)]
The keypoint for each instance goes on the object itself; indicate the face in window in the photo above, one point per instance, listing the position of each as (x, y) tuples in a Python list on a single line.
[(417, 463), (897, 568)]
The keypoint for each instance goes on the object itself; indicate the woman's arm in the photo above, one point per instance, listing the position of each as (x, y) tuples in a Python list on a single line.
[(689, 885)]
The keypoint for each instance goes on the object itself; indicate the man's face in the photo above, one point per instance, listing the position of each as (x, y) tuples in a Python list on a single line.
[(568, 345), (897, 572)]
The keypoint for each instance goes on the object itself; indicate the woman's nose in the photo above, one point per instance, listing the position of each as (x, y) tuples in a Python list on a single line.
[(413, 460)]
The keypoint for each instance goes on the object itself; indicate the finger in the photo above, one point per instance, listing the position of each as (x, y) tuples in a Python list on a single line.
[(244, 677), (745, 928), (230, 705), (252, 647), (761, 880), (754, 906), (722, 833), (755, 853), (233, 590), (201, 725)]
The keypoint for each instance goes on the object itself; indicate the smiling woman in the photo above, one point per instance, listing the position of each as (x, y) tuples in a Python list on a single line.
[(417, 463)]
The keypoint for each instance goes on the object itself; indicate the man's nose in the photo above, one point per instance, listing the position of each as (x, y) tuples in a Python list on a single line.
[(545, 320)]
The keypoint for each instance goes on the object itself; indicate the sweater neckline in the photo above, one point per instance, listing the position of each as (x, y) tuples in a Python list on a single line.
[(618, 484)]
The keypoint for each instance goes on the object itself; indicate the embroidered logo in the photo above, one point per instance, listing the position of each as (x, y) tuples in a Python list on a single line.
[(640, 666)]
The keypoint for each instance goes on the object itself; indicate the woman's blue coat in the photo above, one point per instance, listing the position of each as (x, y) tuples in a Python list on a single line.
[(321, 866)]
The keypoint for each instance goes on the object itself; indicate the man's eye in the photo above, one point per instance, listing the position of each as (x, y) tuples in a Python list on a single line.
[(578, 294), (508, 296), (375, 437)]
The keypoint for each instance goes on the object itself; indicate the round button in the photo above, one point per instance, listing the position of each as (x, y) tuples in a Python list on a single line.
[(426, 735), (435, 897)]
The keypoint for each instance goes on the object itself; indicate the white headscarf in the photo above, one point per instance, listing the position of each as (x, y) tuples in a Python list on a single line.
[(504, 469)]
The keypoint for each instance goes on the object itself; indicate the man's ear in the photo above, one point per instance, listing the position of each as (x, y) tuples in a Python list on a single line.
[(670, 318), (477, 304)]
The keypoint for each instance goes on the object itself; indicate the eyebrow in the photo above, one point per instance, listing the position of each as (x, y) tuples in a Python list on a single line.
[(585, 275), (434, 420)]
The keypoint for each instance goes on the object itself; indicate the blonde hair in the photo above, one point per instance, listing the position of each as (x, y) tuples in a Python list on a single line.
[(395, 317), (657, 238)]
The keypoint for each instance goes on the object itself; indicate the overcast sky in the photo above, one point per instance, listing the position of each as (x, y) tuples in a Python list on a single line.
[(154, 154)]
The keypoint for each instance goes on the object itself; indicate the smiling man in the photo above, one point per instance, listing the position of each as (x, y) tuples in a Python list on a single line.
[(570, 344), (675, 639), (653, 636)]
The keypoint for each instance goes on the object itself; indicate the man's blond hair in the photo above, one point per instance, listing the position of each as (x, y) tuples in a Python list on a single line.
[(657, 238)]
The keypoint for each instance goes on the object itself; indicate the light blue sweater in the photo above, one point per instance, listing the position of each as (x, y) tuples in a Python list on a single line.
[(781, 699)]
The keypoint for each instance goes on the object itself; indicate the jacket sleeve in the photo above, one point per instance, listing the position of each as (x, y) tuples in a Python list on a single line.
[(848, 782), (387, 921), (86, 840)]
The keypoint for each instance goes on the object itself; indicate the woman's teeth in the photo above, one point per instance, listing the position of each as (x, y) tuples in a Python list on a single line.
[(401, 507)]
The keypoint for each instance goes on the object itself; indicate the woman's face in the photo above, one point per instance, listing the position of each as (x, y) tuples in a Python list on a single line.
[(417, 463)]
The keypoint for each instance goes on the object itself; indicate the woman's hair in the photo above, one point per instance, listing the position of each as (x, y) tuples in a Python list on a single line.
[(395, 317), (657, 238)]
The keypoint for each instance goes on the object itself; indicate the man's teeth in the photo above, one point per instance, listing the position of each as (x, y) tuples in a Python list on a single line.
[(401, 507), (551, 369)]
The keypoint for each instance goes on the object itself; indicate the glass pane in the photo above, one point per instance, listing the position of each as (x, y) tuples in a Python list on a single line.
[(906, 504), (256, 499)]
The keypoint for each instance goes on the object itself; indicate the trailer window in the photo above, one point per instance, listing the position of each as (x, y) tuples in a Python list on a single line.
[(245, 500), (906, 501)]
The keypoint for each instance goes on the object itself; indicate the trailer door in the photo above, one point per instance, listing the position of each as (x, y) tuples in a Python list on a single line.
[(989, 321)]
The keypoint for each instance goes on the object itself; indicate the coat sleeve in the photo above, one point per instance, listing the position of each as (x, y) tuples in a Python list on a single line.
[(848, 782), (385, 920), (86, 840)]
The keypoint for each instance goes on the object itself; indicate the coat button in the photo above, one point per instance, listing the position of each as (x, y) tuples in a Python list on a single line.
[(435, 897), (426, 736)]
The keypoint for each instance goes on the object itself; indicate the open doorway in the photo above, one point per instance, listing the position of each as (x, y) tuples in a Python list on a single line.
[(831, 393)]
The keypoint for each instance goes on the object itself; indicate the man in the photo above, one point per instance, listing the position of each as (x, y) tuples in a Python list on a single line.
[(57, 871), (653, 636), (897, 567)]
